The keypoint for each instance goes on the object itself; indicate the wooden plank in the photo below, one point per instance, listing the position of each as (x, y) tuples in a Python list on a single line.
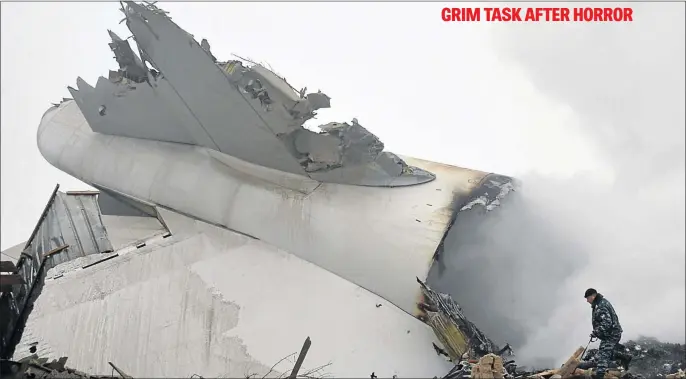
[(548, 372), (54, 251), (569, 367), (119, 371), (301, 358)]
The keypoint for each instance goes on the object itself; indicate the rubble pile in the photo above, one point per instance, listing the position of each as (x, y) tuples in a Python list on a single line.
[(40, 368), (650, 359)]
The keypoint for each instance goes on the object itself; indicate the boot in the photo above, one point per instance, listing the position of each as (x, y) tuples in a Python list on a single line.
[(624, 359)]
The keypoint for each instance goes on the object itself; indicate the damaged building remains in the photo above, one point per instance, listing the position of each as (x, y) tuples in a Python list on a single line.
[(223, 233)]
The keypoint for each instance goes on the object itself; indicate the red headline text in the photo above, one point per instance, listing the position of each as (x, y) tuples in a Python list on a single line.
[(507, 14)]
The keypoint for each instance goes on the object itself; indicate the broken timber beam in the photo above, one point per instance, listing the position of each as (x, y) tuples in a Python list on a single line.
[(54, 251), (301, 358), (119, 371), (569, 368)]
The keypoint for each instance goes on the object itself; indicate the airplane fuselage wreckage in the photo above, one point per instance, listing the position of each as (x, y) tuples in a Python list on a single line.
[(223, 233)]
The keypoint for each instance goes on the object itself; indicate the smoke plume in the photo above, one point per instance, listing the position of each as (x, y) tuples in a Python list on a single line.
[(521, 272)]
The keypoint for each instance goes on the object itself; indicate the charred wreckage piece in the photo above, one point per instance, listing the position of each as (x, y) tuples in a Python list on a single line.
[(459, 335), (652, 359)]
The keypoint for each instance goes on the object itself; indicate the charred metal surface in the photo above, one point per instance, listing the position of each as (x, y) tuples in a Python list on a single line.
[(492, 189), (237, 107), (457, 334), (487, 195), (475, 257)]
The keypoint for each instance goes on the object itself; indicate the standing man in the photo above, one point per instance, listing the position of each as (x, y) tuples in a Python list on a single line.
[(607, 329)]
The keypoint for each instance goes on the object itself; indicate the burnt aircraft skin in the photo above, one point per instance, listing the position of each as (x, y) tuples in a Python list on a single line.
[(246, 112)]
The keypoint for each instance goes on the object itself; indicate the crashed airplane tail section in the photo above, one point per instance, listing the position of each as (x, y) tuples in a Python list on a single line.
[(223, 143), (236, 107)]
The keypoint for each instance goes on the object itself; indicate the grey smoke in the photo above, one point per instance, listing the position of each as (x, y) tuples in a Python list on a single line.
[(520, 273)]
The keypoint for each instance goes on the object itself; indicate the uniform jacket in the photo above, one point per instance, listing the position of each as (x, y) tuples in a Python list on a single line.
[(605, 321)]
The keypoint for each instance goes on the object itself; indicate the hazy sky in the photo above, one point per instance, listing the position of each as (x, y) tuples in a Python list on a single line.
[(591, 114)]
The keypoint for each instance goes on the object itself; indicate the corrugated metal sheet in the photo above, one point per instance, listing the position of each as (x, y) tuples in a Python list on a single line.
[(70, 227), (74, 221)]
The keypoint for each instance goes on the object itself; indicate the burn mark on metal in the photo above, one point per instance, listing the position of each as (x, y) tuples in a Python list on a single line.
[(480, 195), (456, 333)]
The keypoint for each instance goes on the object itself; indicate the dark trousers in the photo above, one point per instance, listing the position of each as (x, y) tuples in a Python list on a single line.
[(605, 353)]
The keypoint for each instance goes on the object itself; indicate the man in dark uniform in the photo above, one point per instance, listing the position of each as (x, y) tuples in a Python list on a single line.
[(607, 329)]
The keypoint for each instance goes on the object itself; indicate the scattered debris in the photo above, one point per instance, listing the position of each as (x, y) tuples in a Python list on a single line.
[(651, 359), (40, 368), (489, 366), (315, 373)]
